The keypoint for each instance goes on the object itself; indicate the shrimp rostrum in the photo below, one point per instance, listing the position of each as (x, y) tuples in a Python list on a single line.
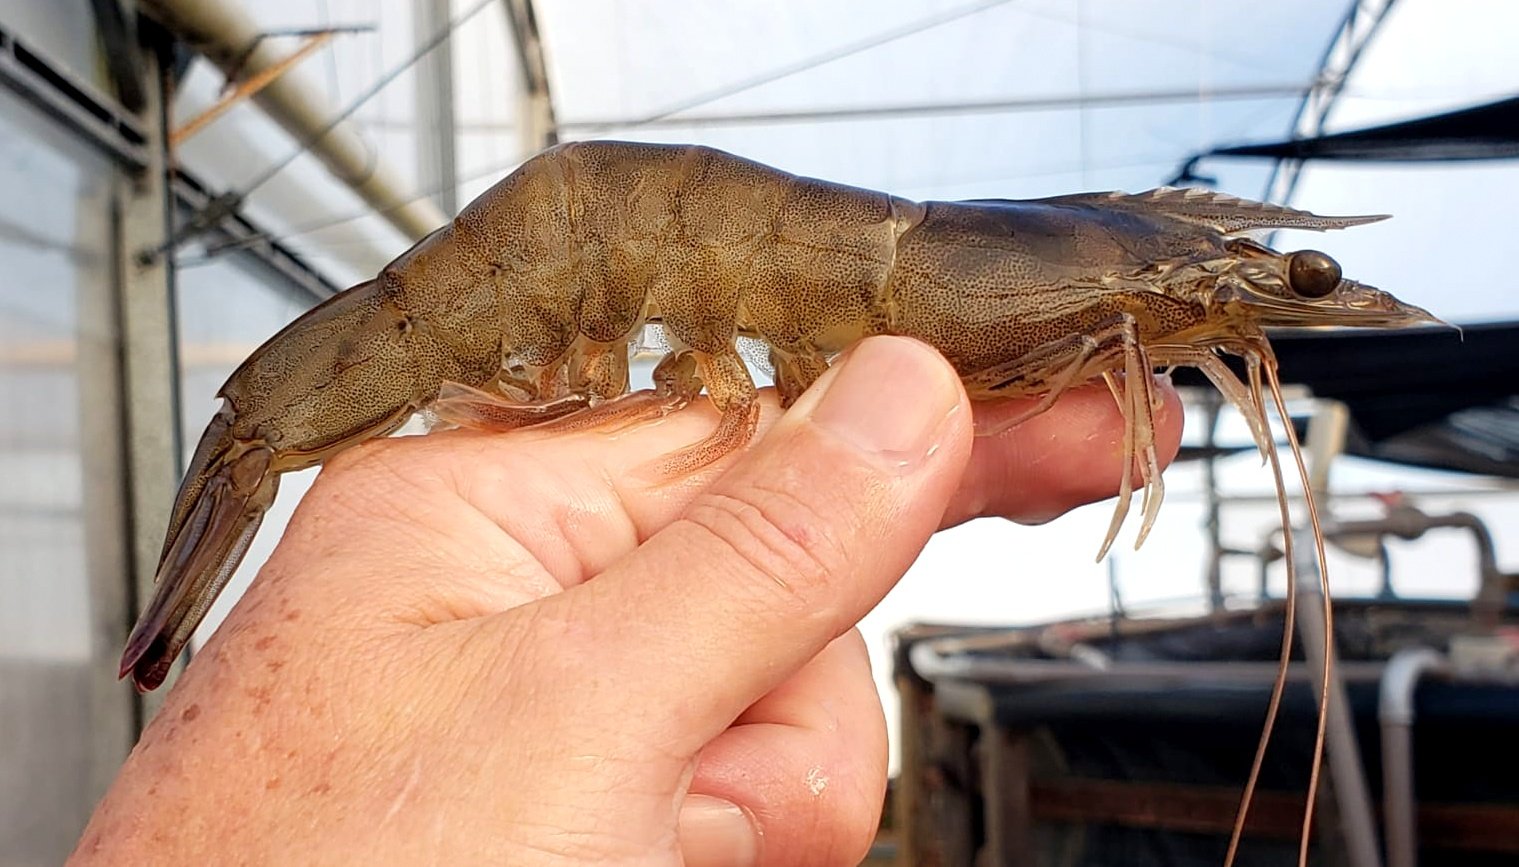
[(523, 309)]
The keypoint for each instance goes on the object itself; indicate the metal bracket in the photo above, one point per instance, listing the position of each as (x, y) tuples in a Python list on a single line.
[(235, 92)]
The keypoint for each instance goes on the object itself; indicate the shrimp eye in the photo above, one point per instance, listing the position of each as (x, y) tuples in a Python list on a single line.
[(1312, 274)]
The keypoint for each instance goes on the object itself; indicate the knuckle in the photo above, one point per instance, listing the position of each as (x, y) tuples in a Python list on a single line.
[(783, 545)]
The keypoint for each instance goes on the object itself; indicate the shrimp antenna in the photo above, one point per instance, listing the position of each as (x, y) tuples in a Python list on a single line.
[(1289, 617), (1318, 541), (1256, 362)]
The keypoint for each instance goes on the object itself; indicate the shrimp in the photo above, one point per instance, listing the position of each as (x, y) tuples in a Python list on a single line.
[(522, 311)]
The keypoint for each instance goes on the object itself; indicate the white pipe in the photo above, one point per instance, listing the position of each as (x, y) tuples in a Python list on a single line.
[(1395, 711), (222, 30), (1342, 751)]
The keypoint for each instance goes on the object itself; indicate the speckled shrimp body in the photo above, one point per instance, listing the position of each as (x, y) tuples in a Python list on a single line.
[(523, 309)]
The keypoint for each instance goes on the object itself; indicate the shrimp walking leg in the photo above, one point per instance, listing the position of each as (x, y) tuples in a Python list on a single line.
[(732, 392), (1057, 366), (476, 409), (795, 373), (1050, 370), (1136, 399), (676, 384), (599, 369)]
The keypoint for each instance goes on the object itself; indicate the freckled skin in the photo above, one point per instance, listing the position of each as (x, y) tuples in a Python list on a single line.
[(523, 308)]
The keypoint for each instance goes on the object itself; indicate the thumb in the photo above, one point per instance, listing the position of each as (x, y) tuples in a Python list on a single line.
[(791, 547)]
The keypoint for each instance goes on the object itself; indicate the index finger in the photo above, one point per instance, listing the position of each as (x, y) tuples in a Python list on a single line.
[(782, 554)]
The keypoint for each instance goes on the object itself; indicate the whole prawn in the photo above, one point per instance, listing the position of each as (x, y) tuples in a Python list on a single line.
[(523, 309)]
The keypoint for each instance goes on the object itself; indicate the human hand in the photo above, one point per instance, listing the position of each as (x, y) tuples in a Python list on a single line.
[(513, 649)]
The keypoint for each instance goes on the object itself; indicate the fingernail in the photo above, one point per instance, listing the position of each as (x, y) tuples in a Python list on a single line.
[(716, 833), (888, 397)]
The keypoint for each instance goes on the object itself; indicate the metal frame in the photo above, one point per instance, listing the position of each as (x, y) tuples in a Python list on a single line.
[(102, 121), (1110, 99), (112, 128), (221, 30), (123, 55), (1356, 31), (147, 367), (437, 153), (236, 231), (102, 125), (971, 788)]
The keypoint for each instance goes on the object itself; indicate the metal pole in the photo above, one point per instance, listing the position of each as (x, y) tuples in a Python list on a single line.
[(149, 369), (1327, 432), (1343, 752), (1212, 403), (1396, 712), (437, 155), (536, 118)]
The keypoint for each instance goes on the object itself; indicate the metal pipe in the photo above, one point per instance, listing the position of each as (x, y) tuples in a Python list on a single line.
[(1064, 644), (436, 128), (931, 663), (1327, 430), (1212, 405), (1352, 795), (222, 30), (1395, 712), (1409, 523)]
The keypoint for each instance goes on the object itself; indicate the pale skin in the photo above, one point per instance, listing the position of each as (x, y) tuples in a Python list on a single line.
[(526, 649)]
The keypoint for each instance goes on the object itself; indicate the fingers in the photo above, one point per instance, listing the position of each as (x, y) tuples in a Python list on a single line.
[(561, 507), (800, 778), (786, 551), (1067, 457)]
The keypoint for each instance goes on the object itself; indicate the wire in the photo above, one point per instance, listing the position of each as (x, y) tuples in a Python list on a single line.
[(418, 196), (805, 64), (1234, 54), (994, 106), (883, 38), (422, 50)]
